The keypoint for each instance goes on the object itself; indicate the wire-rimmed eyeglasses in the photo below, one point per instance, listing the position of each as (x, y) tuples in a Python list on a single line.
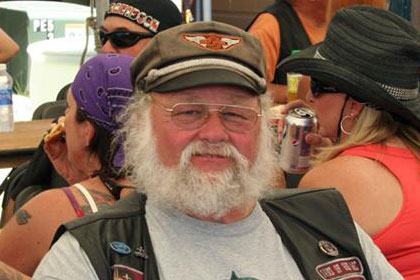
[(235, 118)]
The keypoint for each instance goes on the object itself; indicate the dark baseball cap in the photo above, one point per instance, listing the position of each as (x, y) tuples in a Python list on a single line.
[(200, 54), (154, 15)]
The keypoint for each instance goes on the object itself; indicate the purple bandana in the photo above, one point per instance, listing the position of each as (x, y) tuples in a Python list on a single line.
[(101, 89)]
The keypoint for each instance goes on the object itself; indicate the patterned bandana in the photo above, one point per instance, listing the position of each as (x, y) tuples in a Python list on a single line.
[(101, 89)]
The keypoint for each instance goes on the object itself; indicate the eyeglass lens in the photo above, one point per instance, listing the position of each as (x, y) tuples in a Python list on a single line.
[(234, 118)]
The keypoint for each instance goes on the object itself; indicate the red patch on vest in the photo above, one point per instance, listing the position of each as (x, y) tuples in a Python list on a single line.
[(213, 42), (345, 268), (122, 272)]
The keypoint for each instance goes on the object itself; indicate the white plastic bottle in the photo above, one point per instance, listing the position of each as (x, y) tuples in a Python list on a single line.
[(6, 103)]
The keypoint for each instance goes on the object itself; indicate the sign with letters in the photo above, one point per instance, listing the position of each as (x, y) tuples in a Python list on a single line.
[(44, 25)]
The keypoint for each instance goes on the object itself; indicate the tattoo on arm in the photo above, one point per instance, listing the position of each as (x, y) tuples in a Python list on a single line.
[(9, 273), (22, 217), (101, 199)]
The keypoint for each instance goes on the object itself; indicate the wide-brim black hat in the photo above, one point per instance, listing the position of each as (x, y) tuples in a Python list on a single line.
[(371, 54)]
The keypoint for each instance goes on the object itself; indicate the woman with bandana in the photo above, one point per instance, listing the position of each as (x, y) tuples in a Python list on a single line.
[(90, 153)]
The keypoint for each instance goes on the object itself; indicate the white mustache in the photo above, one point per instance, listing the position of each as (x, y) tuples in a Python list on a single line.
[(221, 149)]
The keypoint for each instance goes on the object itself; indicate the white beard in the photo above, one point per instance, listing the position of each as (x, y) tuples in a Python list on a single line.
[(192, 191)]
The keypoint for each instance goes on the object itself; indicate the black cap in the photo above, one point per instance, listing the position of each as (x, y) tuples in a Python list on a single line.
[(154, 15)]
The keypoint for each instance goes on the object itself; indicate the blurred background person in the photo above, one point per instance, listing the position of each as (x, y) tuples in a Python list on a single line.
[(124, 33), (370, 110), (8, 47), (289, 25), (128, 32), (99, 92)]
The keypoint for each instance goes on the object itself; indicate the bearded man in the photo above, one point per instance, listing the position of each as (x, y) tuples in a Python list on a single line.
[(199, 149)]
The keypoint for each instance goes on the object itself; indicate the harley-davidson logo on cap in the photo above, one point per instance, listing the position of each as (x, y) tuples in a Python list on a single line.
[(213, 42)]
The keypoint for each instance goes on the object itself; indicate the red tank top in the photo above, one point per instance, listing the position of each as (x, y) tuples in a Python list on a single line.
[(400, 240)]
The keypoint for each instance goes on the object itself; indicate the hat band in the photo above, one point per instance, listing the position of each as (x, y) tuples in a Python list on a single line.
[(131, 13), (155, 74), (396, 92)]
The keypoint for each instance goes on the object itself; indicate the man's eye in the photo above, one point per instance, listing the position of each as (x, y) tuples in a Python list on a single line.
[(233, 115), (188, 113)]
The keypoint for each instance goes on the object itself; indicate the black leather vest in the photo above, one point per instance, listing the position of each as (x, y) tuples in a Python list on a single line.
[(303, 218), (293, 35)]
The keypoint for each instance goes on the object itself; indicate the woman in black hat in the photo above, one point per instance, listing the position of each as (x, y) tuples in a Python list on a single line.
[(365, 90)]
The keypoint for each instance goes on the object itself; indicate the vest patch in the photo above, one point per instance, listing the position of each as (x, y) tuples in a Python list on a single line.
[(344, 268), (122, 272), (213, 42), (120, 247)]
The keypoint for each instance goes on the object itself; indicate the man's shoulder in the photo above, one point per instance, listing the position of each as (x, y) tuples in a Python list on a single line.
[(295, 193), (306, 204)]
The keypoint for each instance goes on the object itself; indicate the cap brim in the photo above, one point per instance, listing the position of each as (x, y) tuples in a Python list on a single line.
[(360, 87), (207, 77)]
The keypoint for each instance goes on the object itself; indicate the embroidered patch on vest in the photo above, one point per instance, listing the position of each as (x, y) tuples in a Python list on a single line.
[(213, 42), (141, 253), (134, 14), (122, 272), (327, 247), (345, 268), (120, 247)]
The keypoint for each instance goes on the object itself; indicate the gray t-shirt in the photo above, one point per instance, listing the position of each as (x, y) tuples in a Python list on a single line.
[(187, 248)]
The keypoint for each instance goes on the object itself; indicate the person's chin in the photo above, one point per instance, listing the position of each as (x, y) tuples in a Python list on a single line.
[(211, 163)]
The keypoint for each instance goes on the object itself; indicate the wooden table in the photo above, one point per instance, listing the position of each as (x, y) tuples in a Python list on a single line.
[(18, 146)]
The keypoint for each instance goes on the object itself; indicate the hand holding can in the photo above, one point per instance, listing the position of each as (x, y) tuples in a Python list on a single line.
[(295, 151)]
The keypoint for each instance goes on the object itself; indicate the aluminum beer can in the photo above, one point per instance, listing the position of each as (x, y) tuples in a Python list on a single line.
[(295, 152)]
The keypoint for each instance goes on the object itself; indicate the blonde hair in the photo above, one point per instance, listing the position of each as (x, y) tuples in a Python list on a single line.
[(374, 127)]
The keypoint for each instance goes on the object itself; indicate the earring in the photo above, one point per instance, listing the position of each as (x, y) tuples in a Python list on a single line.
[(348, 117)]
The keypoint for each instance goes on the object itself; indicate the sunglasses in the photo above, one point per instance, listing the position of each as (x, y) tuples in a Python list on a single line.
[(123, 39), (318, 87)]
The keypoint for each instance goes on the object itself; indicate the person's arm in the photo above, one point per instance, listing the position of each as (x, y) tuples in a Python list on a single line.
[(266, 28), (9, 273), (378, 265), (371, 192), (27, 236), (66, 260), (8, 47)]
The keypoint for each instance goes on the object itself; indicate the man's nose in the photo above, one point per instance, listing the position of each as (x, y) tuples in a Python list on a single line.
[(213, 129)]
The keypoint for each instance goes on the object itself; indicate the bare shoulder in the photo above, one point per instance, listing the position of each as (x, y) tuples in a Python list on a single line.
[(95, 190), (46, 202), (371, 191), (342, 173)]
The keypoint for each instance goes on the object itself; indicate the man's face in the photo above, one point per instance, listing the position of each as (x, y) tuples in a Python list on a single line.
[(171, 139), (203, 169), (115, 23)]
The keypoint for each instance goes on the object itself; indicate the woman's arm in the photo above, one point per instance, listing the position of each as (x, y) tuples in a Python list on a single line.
[(26, 238), (371, 191), (9, 273), (8, 47)]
